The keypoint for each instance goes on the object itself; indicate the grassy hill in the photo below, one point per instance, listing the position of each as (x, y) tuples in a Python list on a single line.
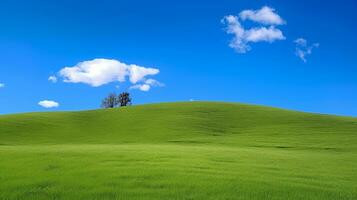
[(195, 150)]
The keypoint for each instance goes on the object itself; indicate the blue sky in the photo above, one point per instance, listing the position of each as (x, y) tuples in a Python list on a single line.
[(188, 43)]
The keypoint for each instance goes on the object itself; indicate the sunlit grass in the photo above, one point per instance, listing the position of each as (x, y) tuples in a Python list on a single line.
[(178, 151)]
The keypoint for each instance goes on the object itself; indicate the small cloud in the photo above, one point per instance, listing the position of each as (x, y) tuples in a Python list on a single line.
[(48, 104), (301, 42), (154, 82), (302, 49), (147, 84), (142, 87), (53, 79), (117, 86), (242, 36), (2, 85), (192, 100), (101, 71), (265, 15)]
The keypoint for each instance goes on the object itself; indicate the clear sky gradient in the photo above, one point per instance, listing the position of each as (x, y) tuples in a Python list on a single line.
[(188, 43)]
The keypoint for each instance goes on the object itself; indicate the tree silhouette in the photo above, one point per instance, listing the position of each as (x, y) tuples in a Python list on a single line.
[(124, 99), (110, 101)]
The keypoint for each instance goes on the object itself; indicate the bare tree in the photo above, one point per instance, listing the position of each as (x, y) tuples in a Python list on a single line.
[(124, 99), (110, 101)]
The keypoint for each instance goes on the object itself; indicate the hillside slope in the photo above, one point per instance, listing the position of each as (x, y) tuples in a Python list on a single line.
[(197, 122), (195, 150)]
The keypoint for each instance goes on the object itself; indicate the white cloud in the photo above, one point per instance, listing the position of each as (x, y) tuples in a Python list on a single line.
[(234, 27), (142, 87), (301, 42), (153, 82), (48, 104), (302, 49), (265, 15), (53, 79), (264, 34), (137, 73), (147, 84), (2, 85), (95, 72), (98, 72), (242, 37)]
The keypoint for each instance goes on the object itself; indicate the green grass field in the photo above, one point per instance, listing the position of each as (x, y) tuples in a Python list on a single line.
[(195, 150)]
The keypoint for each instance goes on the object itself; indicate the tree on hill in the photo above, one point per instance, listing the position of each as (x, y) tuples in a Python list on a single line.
[(113, 100), (124, 99), (110, 101)]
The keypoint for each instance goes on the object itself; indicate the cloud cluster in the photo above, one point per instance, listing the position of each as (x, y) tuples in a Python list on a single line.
[(98, 72), (242, 37), (147, 84), (302, 48), (48, 104), (2, 85)]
